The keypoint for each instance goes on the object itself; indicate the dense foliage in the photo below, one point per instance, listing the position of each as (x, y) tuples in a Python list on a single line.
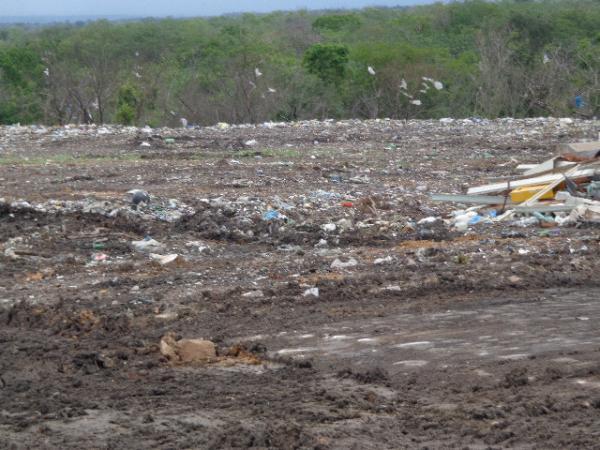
[(504, 58)]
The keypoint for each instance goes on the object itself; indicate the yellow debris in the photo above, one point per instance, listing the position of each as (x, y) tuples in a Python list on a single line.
[(524, 193)]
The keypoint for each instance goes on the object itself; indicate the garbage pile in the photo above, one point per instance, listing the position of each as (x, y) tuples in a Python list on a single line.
[(398, 134), (562, 191), (165, 210)]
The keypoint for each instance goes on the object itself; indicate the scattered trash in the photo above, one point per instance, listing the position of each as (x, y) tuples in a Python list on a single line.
[(329, 227), (427, 220), (98, 246), (138, 196), (386, 260), (147, 245), (254, 294), (164, 260), (314, 292), (339, 264), (273, 215), (99, 257)]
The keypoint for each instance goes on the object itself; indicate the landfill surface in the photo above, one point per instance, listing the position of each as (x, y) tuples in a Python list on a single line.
[(345, 309)]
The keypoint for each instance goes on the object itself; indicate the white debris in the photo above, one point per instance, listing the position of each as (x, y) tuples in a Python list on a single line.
[(199, 246), (329, 227), (322, 243), (147, 245), (462, 218), (339, 264), (164, 260), (314, 291), (427, 220), (254, 294), (388, 259), (416, 102)]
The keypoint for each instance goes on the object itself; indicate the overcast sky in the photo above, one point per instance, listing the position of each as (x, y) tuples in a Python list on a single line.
[(147, 8)]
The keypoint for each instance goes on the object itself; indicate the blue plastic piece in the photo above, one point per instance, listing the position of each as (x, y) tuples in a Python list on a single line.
[(475, 219), (271, 215)]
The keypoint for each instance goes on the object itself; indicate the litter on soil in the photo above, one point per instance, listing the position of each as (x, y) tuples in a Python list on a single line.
[(338, 284)]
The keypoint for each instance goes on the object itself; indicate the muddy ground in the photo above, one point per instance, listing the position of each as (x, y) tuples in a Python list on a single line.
[(427, 338)]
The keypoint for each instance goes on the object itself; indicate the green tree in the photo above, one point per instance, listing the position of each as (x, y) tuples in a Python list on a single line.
[(21, 74), (336, 22), (327, 61), (128, 101)]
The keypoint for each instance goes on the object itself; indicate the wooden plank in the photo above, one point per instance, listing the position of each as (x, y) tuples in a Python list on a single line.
[(549, 166), (526, 166), (559, 164), (543, 179), (546, 166), (544, 208), (474, 199)]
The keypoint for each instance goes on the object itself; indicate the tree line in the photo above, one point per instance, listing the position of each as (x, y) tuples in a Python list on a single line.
[(472, 58)]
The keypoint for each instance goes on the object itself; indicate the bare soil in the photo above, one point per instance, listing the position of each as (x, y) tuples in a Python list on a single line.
[(485, 339)]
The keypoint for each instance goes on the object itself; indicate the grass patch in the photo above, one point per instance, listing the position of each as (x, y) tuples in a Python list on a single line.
[(270, 153), (64, 159)]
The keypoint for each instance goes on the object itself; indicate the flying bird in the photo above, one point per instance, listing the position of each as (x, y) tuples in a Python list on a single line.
[(438, 85), (416, 102), (371, 70), (403, 84), (257, 72), (47, 72)]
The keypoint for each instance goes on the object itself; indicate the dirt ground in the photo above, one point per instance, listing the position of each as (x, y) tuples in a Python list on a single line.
[(341, 323)]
